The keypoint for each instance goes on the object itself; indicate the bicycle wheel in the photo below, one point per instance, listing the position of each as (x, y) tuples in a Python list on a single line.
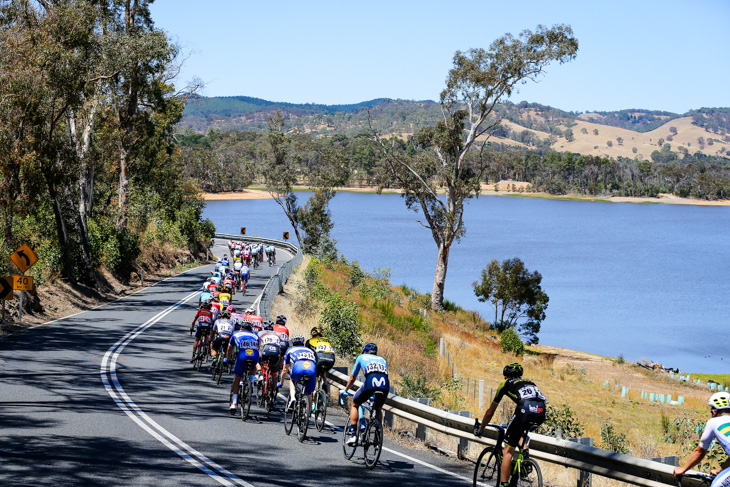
[(320, 404), (290, 416), (348, 450), (198, 358), (245, 399), (487, 468), (529, 475), (270, 394), (260, 394), (304, 408), (373, 444), (220, 371)]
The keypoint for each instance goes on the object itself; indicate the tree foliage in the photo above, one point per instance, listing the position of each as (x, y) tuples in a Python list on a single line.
[(518, 299), (452, 151)]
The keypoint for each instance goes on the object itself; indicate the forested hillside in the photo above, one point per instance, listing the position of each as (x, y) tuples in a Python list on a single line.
[(90, 174), (634, 133)]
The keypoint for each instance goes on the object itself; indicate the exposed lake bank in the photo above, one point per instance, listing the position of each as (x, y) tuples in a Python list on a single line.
[(503, 188)]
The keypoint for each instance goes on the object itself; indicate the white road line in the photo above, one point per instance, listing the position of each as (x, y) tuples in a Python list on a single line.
[(125, 403)]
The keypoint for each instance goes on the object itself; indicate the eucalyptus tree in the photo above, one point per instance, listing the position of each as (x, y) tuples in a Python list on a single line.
[(437, 181)]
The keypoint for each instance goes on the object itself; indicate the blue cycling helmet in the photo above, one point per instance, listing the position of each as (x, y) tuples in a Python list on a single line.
[(370, 348)]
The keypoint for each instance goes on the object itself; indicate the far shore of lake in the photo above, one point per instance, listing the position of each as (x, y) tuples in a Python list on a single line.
[(503, 188)]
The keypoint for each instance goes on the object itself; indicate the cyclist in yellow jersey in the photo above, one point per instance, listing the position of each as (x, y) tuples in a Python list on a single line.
[(224, 299), (323, 352)]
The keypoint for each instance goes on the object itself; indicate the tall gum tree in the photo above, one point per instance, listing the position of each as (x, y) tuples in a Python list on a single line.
[(439, 179)]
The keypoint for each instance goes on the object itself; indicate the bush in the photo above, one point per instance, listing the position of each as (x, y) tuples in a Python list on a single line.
[(339, 323), (562, 419), (416, 385), (511, 342), (325, 250), (357, 275), (612, 440)]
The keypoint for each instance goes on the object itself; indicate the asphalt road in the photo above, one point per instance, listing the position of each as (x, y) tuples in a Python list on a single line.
[(108, 397)]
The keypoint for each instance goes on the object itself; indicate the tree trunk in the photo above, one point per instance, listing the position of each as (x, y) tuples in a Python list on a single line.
[(439, 280), (123, 189), (68, 270)]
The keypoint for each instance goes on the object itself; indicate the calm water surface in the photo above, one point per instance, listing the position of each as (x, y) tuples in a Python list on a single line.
[(643, 280)]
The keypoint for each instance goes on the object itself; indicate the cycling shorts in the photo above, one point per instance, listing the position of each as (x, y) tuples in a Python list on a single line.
[(374, 383), (247, 358), (530, 412), (220, 341), (271, 354), (305, 368), (325, 361), (203, 329)]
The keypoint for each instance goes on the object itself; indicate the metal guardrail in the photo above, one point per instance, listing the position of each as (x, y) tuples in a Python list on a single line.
[(616, 466), (275, 284)]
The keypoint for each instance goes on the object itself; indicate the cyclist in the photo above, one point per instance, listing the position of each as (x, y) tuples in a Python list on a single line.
[(222, 331), (716, 428), (224, 260), (303, 365), (271, 253), (224, 298), (245, 275), (530, 410), (283, 331), (256, 320), (270, 349), (236, 318), (204, 319), (323, 352), (375, 369), (248, 356)]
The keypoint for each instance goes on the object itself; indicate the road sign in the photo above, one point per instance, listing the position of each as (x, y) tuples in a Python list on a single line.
[(243, 230), (6, 288), (24, 258), (23, 283), (286, 235)]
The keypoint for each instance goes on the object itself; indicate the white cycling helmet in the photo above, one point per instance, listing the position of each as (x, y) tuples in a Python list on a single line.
[(250, 311), (720, 400)]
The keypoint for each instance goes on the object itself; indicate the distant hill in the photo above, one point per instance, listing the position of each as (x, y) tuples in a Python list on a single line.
[(631, 133)]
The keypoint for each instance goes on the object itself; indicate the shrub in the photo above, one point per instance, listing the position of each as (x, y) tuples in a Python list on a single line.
[(612, 440), (511, 342), (339, 323), (357, 275), (561, 419), (416, 385)]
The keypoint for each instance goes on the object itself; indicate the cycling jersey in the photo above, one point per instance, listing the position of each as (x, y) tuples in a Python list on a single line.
[(236, 319), (223, 327), (237, 266), (324, 353), (376, 383), (204, 317), (717, 428), (270, 348), (205, 295), (248, 350), (303, 365), (283, 332), (518, 390)]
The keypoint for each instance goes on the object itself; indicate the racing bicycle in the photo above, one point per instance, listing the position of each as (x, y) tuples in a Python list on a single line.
[(266, 389), (245, 391), (319, 404), (370, 436), (299, 413), (525, 471)]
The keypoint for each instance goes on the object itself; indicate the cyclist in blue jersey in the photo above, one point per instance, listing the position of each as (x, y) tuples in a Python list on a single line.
[(248, 356), (375, 369), (302, 363), (717, 428)]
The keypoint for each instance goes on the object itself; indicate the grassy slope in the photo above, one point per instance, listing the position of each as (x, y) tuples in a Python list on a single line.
[(566, 377)]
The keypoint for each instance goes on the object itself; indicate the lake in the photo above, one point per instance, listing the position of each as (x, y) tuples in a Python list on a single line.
[(642, 280)]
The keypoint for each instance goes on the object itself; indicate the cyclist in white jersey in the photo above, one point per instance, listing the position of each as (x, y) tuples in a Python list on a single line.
[(717, 428)]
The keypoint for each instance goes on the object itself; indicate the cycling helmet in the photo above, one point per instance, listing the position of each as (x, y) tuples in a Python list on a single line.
[(297, 340), (512, 370), (225, 313), (231, 308), (206, 304), (269, 325), (281, 320), (247, 325), (250, 311), (370, 348), (317, 332), (720, 400)]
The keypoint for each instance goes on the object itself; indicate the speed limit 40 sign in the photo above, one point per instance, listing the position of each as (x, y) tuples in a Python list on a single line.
[(22, 283)]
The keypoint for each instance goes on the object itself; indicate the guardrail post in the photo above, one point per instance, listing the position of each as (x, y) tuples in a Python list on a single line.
[(442, 346), (142, 277), (481, 395), (584, 478), (388, 417), (671, 460), (420, 429), (463, 450)]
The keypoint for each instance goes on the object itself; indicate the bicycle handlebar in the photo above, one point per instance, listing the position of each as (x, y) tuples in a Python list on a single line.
[(705, 478), (488, 425)]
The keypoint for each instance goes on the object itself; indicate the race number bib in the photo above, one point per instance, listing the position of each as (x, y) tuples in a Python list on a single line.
[(376, 368), (529, 392), (324, 348), (308, 355)]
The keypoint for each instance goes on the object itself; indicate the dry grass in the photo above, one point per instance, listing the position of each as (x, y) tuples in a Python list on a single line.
[(566, 377)]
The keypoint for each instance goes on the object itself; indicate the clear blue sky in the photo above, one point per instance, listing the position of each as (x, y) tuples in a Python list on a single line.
[(662, 55)]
